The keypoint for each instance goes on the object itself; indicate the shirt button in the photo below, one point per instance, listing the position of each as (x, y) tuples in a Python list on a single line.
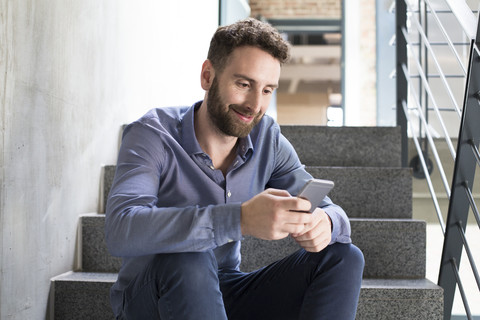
[(212, 167), (235, 164), (229, 194)]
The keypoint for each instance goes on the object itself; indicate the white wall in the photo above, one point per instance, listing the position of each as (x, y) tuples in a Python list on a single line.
[(359, 92), (71, 73)]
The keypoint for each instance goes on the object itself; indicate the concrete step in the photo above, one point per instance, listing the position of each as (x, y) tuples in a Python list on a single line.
[(365, 192), (79, 295), (95, 256), (82, 295), (106, 184), (400, 300), (392, 247), (346, 146)]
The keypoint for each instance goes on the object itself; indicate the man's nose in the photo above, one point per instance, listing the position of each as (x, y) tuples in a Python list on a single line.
[(255, 100)]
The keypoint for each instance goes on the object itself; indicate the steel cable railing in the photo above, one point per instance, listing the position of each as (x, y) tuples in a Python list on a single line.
[(424, 166), (426, 84), (458, 280), (466, 156), (433, 55), (432, 144)]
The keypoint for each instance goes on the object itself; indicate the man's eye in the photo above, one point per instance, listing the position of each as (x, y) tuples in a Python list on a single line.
[(267, 91), (243, 85)]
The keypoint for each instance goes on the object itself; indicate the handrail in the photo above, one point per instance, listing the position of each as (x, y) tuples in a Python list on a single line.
[(464, 16), (466, 156), (427, 175), (432, 97), (449, 41), (432, 145), (439, 68)]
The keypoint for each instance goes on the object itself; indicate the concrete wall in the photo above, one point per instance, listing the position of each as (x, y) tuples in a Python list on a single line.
[(71, 73)]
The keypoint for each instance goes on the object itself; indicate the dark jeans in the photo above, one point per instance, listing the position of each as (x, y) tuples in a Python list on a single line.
[(323, 285)]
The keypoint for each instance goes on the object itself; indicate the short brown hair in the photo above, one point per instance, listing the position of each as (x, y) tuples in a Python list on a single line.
[(247, 32)]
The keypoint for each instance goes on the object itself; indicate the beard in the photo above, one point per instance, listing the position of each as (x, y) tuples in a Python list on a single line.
[(224, 118)]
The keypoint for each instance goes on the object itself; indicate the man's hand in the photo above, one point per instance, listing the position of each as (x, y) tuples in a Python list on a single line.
[(317, 234), (270, 215)]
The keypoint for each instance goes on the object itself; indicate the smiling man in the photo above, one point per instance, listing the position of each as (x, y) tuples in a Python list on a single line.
[(192, 181)]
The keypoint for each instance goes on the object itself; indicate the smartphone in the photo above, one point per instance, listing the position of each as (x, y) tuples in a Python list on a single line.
[(315, 191)]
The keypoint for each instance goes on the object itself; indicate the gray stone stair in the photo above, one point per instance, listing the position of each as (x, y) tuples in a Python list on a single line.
[(367, 192), (95, 256), (82, 295), (400, 300), (346, 146), (392, 248), (369, 184)]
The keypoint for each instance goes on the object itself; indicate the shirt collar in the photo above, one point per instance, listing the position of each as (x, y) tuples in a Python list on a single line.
[(190, 142)]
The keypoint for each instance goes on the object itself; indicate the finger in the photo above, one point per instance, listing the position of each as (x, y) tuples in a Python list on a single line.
[(308, 234), (314, 245), (320, 227), (278, 192), (298, 218), (294, 228), (299, 204)]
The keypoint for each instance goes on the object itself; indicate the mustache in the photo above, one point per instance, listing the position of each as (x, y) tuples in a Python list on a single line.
[(243, 111)]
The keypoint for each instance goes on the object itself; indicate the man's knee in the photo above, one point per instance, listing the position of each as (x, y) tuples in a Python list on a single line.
[(347, 256), (353, 256)]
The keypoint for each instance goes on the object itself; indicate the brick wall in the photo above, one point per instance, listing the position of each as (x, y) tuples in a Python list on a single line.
[(296, 8)]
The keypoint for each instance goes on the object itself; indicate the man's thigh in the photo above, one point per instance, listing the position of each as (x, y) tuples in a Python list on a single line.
[(283, 289), (273, 292), (176, 286)]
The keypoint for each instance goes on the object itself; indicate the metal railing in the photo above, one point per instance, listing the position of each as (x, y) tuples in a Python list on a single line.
[(419, 69)]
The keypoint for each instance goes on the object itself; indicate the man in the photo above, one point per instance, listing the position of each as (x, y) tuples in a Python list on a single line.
[(191, 182)]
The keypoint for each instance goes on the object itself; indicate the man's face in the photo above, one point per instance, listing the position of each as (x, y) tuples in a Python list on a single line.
[(240, 95)]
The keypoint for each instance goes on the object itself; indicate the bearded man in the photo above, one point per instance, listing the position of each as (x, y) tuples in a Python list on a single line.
[(192, 181)]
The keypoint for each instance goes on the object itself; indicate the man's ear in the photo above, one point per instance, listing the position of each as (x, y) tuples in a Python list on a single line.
[(207, 75)]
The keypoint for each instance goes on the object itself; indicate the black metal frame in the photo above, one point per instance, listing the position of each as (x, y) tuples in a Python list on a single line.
[(402, 81), (463, 177)]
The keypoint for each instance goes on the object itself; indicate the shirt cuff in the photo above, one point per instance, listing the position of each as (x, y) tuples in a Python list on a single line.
[(340, 228), (226, 223)]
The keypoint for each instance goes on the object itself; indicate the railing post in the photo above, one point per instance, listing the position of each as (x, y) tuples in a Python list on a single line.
[(402, 81), (463, 176)]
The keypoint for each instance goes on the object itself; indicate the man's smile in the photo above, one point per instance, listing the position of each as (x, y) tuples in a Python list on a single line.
[(245, 117)]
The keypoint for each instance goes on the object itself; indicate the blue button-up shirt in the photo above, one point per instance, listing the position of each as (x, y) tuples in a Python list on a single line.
[(167, 196)]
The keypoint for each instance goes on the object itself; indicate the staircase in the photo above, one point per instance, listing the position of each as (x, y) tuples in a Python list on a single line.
[(376, 193)]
